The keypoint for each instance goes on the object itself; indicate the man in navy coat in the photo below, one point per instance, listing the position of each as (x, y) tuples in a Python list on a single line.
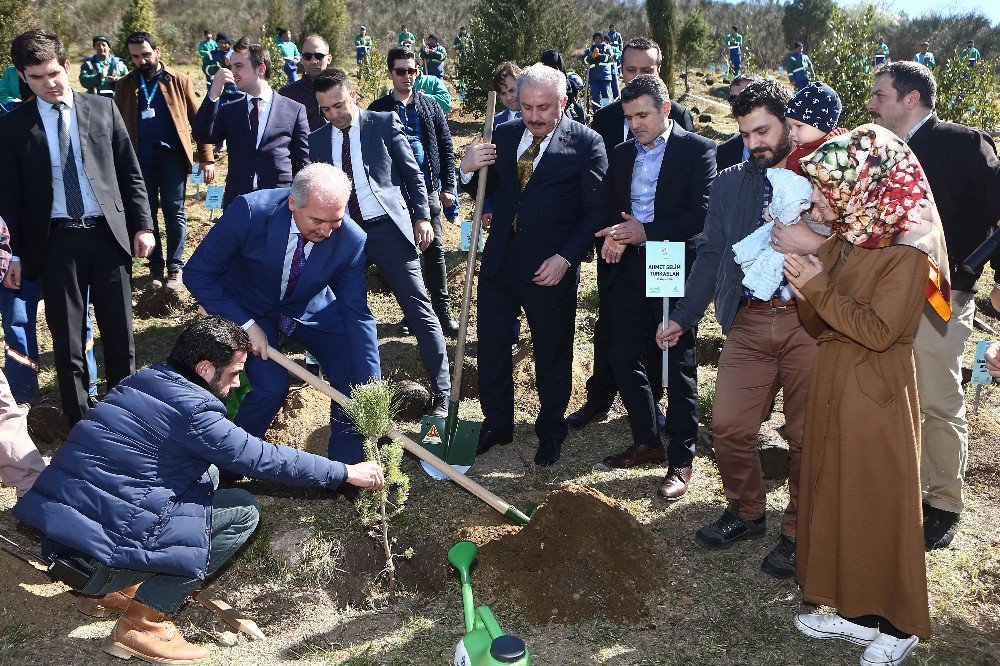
[(268, 134), (286, 264)]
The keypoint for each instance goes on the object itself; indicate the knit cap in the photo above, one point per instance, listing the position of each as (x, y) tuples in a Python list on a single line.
[(817, 104)]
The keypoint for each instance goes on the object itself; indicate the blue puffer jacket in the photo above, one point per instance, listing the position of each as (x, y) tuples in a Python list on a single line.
[(130, 486)]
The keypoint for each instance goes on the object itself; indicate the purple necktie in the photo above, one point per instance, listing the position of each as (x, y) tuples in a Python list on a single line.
[(255, 118), (285, 323)]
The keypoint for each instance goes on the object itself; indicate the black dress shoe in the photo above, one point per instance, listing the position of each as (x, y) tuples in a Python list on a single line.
[(404, 328), (489, 438), (439, 405), (586, 414), (448, 325), (548, 452)]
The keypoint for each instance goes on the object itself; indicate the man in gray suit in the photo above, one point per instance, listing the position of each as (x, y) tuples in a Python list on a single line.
[(373, 150), (75, 201)]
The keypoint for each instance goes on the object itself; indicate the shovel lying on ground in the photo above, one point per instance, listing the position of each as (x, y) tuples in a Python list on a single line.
[(509, 510), (452, 439)]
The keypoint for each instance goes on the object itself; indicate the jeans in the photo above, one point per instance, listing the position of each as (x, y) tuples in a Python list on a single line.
[(19, 311), (235, 514), (292, 70), (166, 181), (599, 90)]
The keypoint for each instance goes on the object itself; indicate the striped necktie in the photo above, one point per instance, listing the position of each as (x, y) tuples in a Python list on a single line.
[(71, 177)]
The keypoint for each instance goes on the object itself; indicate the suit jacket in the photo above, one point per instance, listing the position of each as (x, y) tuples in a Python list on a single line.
[(302, 92), (388, 160), (609, 122), (562, 206), (178, 94), (283, 148), (729, 153), (436, 140), (111, 165), (964, 174), (236, 273), (682, 188)]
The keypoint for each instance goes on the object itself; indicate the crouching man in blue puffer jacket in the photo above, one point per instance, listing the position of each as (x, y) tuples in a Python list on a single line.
[(131, 490)]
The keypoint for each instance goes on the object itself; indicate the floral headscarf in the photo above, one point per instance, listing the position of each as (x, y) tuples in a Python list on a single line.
[(877, 188)]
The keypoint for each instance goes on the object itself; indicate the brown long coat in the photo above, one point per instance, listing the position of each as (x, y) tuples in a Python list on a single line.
[(860, 546)]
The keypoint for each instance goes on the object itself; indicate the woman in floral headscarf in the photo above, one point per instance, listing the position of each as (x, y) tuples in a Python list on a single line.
[(860, 538)]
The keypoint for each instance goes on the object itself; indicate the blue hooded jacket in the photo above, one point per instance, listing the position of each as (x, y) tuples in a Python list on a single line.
[(130, 486)]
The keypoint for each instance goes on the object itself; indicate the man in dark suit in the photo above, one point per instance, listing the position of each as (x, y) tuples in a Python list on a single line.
[(315, 58), (640, 56), (286, 264), (268, 134), (732, 151), (658, 185), (75, 202), (388, 201), (964, 173), (545, 174)]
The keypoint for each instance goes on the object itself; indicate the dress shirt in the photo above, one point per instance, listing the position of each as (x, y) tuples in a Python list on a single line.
[(50, 121), (286, 268), (913, 130), (263, 111), (370, 206), (525, 143), (646, 174)]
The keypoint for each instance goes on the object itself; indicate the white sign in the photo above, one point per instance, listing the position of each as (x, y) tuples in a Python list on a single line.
[(213, 197), (467, 236), (664, 269), (980, 375)]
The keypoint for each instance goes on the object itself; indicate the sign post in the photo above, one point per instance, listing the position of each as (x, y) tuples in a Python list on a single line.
[(980, 375), (213, 200), (665, 279)]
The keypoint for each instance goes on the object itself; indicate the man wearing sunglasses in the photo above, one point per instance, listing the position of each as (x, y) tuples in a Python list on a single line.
[(315, 58)]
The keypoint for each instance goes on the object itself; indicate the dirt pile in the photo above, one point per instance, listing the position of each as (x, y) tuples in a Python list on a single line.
[(581, 556)]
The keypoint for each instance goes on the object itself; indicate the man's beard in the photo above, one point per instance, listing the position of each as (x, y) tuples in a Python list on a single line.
[(215, 386), (148, 69), (774, 154)]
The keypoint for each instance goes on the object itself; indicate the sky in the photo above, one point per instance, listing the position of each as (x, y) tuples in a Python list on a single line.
[(913, 8)]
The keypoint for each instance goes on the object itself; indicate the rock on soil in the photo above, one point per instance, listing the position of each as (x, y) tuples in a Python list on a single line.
[(580, 557), (158, 301), (414, 400), (47, 426)]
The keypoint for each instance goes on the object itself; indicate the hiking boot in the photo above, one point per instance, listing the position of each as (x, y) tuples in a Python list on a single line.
[(940, 527), (888, 651), (147, 634), (825, 626), (780, 562), (113, 603), (175, 279), (439, 405), (729, 529)]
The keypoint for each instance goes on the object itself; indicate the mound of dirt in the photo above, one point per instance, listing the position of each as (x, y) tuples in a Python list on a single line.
[(580, 557)]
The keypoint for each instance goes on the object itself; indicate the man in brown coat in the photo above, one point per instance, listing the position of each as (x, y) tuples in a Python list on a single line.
[(158, 105)]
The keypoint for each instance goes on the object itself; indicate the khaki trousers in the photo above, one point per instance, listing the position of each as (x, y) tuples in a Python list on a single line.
[(944, 430), (764, 351), (20, 461)]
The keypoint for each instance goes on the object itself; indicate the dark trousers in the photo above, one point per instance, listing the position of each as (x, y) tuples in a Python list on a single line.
[(166, 181), (270, 387), (637, 362), (433, 266), (77, 260), (601, 387), (551, 313), (398, 261), (235, 514)]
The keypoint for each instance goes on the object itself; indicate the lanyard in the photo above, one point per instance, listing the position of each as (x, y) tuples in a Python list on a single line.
[(148, 95)]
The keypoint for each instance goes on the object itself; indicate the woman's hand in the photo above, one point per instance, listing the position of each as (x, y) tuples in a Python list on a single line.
[(800, 270)]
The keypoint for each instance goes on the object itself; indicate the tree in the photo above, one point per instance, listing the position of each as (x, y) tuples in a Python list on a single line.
[(277, 17), (15, 18), (807, 21), (138, 17), (843, 61), (695, 42), (968, 95), (328, 19), (663, 29), (518, 31), (278, 78)]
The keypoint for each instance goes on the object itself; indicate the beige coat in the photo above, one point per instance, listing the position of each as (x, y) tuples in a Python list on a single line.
[(860, 545)]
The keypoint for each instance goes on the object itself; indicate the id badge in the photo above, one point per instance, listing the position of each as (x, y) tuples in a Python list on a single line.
[(146, 114)]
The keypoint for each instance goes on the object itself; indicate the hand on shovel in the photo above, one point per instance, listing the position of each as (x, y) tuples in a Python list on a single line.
[(258, 340)]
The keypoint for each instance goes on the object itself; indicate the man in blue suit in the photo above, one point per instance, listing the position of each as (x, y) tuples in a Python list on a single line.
[(268, 134), (389, 201), (286, 264), (545, 173)]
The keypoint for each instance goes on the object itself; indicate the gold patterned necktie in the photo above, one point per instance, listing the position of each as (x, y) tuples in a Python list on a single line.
[(525, 163)]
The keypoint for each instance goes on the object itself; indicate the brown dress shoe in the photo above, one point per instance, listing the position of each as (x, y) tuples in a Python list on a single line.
[(113, 603), (637, 454), (675, 483), (148, 635)]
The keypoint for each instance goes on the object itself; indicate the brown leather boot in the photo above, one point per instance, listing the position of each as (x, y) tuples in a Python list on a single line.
[(147, 634), (113, 603)]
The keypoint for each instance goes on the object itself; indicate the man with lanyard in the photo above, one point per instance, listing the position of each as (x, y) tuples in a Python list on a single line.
[(734, 42), (430, 138), (100, 72), (925, 57), (970, 53), (881, 52), (362, 45), (799, 67), (290, 52)]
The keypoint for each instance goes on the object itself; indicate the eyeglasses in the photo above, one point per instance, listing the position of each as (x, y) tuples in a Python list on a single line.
[(309, 55), (403, 71)]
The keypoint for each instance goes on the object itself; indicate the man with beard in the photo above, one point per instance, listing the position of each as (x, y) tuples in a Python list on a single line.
[(766, 347), (134, 490), (158, 105), (315, 58)]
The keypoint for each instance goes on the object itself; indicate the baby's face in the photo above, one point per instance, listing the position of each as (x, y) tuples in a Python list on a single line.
[(801, 133)]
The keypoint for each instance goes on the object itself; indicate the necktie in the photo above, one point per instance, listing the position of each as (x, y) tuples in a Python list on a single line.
[(255, 118), (353, 205), (525, 163), (71, 178), (285, 323)]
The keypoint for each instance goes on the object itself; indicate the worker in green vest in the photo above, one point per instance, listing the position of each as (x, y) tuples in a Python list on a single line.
[(363, 45), (970, 53)]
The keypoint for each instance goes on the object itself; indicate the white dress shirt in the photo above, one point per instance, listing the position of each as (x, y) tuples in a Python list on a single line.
[(263, 111), (50, 121), (524, 144), (370, 206)]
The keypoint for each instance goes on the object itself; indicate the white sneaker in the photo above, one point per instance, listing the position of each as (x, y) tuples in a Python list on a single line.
[(825, 626), (888, 651)]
